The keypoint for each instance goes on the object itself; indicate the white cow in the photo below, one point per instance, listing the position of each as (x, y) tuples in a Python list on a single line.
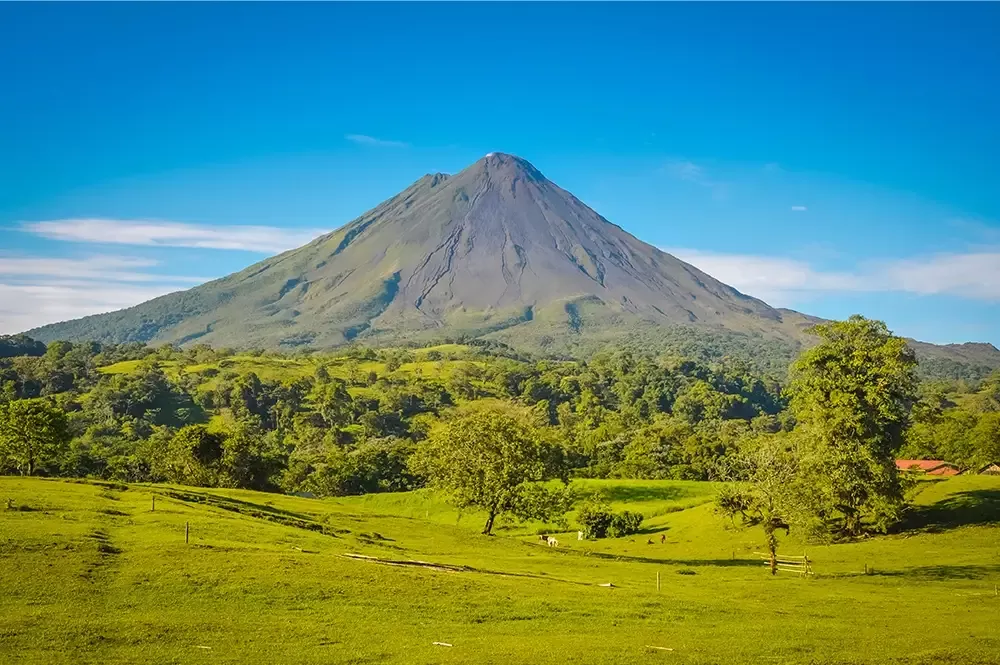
[(553, 542)]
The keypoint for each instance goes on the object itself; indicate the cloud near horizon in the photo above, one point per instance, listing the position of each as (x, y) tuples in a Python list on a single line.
[(364, 139), (783, 281), (35, 291), (261, 239)]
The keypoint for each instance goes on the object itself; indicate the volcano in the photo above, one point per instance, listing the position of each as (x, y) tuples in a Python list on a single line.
[(497, 250)]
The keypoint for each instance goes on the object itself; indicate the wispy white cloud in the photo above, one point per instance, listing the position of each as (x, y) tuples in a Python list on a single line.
[(263, 239), (779, 281), (973, 275), (696, 174), (364, 139), (105, 268), (783, 281), (35, 291), (26, 306), (799, 208)]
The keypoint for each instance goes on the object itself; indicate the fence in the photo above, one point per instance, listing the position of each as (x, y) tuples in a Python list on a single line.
[(793, 564)]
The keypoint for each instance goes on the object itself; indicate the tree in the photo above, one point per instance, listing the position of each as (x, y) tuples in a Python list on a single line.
[(247, 460), (334, 403), (851, 396), (193, 457), (489, 457), (984, 439), (20, 345), (765, 489), (33, 433)]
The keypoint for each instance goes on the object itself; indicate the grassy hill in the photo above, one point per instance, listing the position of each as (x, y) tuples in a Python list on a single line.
[(91, 574)]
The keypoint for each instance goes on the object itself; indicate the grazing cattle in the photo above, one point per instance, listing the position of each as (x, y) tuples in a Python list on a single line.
[(663, 538), (553, 542), (579, 535), (543, 538)]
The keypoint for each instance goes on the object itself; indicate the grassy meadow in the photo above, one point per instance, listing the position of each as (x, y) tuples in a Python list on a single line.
[(89, 573)]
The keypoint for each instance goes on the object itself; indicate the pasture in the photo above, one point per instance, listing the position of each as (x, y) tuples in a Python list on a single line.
[(90, 573)]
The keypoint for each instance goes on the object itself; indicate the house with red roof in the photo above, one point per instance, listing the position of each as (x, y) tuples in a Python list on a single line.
[(930, 467)]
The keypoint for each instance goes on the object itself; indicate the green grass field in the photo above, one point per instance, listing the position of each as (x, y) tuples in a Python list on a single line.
[(90, 574)]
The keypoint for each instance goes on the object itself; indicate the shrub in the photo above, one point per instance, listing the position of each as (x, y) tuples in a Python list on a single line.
[(624, 524), (595, 518), (598, 521)]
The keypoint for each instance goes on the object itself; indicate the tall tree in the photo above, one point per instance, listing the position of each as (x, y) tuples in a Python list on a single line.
[(852, 395), (32, 434), (489, 457), (764, 489)]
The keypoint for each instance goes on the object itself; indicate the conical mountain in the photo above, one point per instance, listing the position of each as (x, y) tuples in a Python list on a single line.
[(493, 247), (496, 250)]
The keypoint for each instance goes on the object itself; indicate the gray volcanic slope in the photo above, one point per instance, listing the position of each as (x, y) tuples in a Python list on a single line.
[(496, 249)]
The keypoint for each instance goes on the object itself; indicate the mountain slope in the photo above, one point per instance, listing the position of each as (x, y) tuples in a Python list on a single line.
[(489, 247), (496, 249)]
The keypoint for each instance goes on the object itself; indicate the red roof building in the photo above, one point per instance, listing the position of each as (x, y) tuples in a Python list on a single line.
[(932, 467)]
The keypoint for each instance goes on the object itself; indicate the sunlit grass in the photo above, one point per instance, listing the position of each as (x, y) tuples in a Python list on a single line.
[(89, 573)]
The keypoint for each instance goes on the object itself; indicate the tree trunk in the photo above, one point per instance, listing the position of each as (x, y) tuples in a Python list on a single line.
[(488, 529), (772, 548), (852, 523)]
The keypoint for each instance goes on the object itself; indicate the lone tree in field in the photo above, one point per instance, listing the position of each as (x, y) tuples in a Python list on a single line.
[(33, 433), (851, 396), (491, 458), (765, 491)]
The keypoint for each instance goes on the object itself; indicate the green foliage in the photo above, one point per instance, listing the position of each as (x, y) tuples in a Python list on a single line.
[(766, 489), (624, 524), (597, 520), (594, 518), (957, 422), (851, 397), (33, 435), (347, 422), (194, 457), (487, 458), (20, 345)]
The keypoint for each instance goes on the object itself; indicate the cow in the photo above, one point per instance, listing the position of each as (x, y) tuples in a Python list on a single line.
[(553, 542)]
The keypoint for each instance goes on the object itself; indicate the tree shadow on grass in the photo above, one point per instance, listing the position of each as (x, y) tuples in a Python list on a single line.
[(690, 563), (628, 494), (229, 503), (973, 507), (934, 573), (255, 510)]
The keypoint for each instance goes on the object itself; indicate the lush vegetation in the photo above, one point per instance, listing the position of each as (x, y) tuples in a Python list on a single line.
[(349, 423), (91, 574), (487, 425), (956, 421)]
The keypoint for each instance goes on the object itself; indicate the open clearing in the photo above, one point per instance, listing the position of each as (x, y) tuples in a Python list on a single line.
[(90, 574)]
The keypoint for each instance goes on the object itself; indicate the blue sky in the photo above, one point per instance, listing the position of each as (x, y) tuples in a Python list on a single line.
[(833, 158)]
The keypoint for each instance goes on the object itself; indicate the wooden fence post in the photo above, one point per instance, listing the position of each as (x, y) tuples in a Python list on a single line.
[(154, 503), (187, 531), (657, 580)]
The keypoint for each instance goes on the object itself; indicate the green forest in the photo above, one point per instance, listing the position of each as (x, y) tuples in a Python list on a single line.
[(364, 420)]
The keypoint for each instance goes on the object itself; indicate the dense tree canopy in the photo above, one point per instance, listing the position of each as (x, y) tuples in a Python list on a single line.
[(851, 396), (33, 435), (349, 421), (490, 457)]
